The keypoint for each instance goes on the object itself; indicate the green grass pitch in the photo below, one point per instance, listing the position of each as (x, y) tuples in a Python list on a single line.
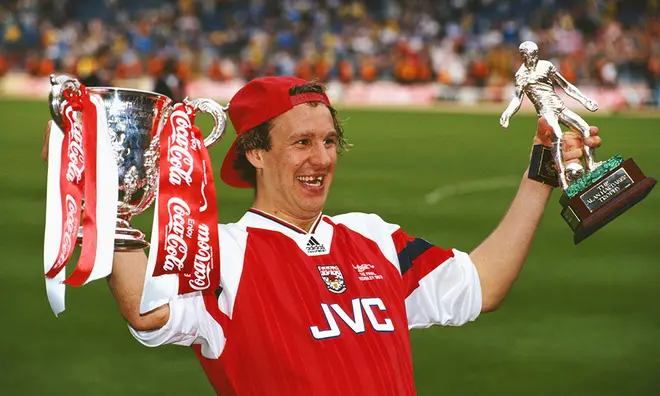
[(581, 320)]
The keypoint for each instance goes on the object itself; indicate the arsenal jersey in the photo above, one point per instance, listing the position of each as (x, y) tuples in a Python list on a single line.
[(323, 312)]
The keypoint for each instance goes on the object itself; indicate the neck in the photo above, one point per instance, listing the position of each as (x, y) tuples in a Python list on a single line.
[(304, 222)]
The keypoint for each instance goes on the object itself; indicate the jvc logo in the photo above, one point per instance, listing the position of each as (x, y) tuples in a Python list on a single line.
[(355, 321)]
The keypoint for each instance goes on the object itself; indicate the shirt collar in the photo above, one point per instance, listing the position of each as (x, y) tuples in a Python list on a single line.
[(259, 219)]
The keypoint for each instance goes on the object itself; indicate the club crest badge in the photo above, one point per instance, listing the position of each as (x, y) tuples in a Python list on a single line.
[(333, 278)]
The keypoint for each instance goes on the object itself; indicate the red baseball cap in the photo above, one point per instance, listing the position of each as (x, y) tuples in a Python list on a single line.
[(258, 101)]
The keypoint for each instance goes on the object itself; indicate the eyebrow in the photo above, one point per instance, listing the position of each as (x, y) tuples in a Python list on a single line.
[(309, 134)]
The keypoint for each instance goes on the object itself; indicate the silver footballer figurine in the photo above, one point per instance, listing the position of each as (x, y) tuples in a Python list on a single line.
[(594, 193), (537, 79)]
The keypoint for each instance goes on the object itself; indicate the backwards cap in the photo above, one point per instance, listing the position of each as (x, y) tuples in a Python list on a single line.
[(260, 100)]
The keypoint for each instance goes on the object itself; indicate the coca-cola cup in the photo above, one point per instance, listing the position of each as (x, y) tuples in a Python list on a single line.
[(135, 119)]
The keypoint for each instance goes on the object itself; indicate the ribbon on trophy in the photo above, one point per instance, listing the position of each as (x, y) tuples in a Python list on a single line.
[(185, 236), (78, 156)]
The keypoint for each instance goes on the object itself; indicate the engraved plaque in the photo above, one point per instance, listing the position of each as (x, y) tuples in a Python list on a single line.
[(606, 189)]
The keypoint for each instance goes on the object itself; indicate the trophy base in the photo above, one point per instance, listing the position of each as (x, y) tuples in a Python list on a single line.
[(126, 237), (605, 199)]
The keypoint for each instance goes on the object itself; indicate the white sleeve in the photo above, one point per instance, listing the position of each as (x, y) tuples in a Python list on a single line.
[(448, 295), (189, 323), (440, 286)]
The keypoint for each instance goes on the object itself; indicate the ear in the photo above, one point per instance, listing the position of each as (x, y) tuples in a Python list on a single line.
[(256, 158)]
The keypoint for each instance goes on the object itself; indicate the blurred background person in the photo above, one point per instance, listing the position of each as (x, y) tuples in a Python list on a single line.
[(97, 71), (169, 83)]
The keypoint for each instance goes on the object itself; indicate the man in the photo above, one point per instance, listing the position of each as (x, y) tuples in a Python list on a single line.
[(536, 79), (101, 73), (169, 83), (312, 304)]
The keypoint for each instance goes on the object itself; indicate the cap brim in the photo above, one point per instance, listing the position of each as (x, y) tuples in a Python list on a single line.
[(228, 174)]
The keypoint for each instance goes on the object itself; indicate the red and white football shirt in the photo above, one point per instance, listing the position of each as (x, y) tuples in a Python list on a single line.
[(320, 313)]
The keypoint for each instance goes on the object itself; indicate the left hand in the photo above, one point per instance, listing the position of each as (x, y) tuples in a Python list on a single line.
[(572, 142), (44, 146)]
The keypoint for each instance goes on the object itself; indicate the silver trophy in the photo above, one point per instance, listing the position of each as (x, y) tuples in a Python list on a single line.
[(135, 119), (537, 80), (594, 193)]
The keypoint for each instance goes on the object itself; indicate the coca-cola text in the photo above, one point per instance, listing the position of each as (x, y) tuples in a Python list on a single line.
[(202, 265), (176, 248), (75, 151), (179, 157)]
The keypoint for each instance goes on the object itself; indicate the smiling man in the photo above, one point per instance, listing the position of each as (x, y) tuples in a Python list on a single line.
[(312, 304)]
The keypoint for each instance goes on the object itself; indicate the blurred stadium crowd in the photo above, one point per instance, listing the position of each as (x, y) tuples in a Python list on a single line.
[(453, 42)]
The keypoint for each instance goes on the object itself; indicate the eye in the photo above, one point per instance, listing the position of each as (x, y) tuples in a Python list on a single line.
[(302, 142), (331, 141)]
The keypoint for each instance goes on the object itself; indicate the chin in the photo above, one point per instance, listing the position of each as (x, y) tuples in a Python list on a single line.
[(312, 205)]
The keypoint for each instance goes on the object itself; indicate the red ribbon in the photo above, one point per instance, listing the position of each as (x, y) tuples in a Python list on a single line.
[(78, 179), (187, 210)]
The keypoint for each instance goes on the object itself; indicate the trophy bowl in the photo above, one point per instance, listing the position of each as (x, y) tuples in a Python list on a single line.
[(135, 119)]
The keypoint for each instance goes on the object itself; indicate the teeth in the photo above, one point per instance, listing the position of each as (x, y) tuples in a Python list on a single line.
[(310, 178), (313, 180)]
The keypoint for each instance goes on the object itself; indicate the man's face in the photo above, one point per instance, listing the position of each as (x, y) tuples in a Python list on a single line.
[(530, 58), (294, 176)]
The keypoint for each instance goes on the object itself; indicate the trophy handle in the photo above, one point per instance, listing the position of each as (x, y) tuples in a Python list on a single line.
[(216, 111), (56, 99)]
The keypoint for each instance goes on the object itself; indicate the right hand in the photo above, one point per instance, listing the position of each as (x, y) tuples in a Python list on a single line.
[(504, 120), (44, 147)]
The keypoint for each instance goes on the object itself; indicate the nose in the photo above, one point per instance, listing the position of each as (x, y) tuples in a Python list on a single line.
[(321, 156)]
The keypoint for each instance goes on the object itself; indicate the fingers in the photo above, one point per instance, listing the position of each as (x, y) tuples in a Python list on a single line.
[(572, 139), (572, 155), (593, 141), (572, 142), (543, 132), (543, 128), (44, 147), (571, 147)]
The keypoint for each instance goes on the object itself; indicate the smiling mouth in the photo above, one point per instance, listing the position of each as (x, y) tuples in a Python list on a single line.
[(311, 181)]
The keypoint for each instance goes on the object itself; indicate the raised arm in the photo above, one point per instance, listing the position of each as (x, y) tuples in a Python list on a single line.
[(126, 283), (513, 107), (500, 257), (572, 91)]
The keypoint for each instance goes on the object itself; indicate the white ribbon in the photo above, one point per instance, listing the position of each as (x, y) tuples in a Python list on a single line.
[(106, 207), (55, 289)]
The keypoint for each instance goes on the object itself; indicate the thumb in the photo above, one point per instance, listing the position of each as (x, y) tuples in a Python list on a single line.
[(543, 132), (542, 126)]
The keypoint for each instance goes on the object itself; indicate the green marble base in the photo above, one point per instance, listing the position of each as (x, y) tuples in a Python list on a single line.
[(590, 178)]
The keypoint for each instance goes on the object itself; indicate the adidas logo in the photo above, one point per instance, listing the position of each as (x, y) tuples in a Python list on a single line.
[(313, 246)]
